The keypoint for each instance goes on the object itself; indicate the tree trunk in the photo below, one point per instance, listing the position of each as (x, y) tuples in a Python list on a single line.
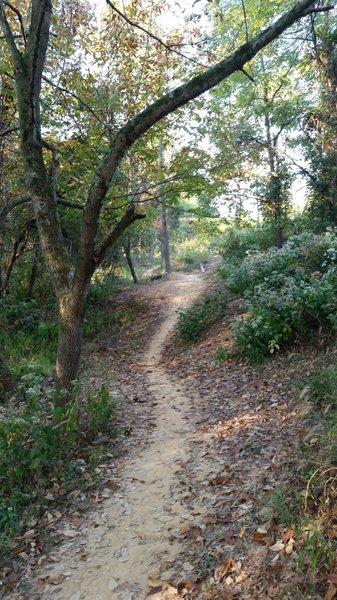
[(126, 247), (34, 271), (279, 240), (28, 65), (71, 309), (164, 238), (151, 251), (18, 249), (7, 381)]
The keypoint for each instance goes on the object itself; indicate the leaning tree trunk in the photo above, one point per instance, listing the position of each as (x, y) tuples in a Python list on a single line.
[(127, 251)]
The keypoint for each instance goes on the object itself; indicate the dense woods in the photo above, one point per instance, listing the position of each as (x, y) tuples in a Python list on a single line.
[(133, 143)]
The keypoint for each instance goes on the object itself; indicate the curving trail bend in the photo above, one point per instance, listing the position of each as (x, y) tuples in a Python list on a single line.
[(133, 542)]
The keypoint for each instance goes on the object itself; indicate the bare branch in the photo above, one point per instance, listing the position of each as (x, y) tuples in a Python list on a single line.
[(319, 9), (4, 212), (69, 203), (9, 130), (129, 217), (8, 34), (80, 100), (19, 16), (245, 19), (152, 35), (248, 75)]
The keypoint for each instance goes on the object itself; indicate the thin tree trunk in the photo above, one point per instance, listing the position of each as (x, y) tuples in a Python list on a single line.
[(151, 251), (164, 236), (127, 252), (34, 271), (279, 239), (7, 381), (18, 249), (275, 196)]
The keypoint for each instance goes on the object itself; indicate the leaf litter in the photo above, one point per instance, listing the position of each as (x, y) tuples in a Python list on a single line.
[(188, 512)]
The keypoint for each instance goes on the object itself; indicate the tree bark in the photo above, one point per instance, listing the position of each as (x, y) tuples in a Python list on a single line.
[(7, 381), (164, 238), (127, 251), (34, 271), (71, 310), (164, 235)]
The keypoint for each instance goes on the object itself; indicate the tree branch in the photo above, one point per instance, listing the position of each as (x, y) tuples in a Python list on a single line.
[(130, 216), (36, 52), (4, 212), (8, 34), (70, 93), (248, 75), (319, 9), (151, 35), (245, 19), (141, 123), (9, 130), (18, 14)]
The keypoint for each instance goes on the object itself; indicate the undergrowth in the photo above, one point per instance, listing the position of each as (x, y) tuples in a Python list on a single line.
[(40, 454), (313, 516), (288, 294), (196, 319), (44, 449)]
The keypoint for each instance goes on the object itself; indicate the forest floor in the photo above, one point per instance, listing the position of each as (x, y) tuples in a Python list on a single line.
[(187, 510)]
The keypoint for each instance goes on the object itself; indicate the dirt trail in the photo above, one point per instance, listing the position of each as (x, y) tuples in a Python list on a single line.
[(132, 539)]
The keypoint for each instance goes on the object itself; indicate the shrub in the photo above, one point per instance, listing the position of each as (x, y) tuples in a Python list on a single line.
[(323, 387), (100, 407), (34, 450), (190, 253), (235, 244), (290, 293), (193, 321)]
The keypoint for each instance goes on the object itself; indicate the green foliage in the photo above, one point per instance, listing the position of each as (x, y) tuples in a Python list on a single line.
[(28, 337), (323, 387), (36, 448), (235, 243), (322, 204), (289, 293), (100, 407), (190, 253), (284, 513), (193, 321), (31, 450), (221, 355), (306, 251), (317, 551)]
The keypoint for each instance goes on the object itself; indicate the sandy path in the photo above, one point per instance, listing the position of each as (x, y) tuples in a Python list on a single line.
[(132, 542)]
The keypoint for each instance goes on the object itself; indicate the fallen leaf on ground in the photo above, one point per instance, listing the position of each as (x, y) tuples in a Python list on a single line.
[(277, 547), (331, 592), (226, 566)]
